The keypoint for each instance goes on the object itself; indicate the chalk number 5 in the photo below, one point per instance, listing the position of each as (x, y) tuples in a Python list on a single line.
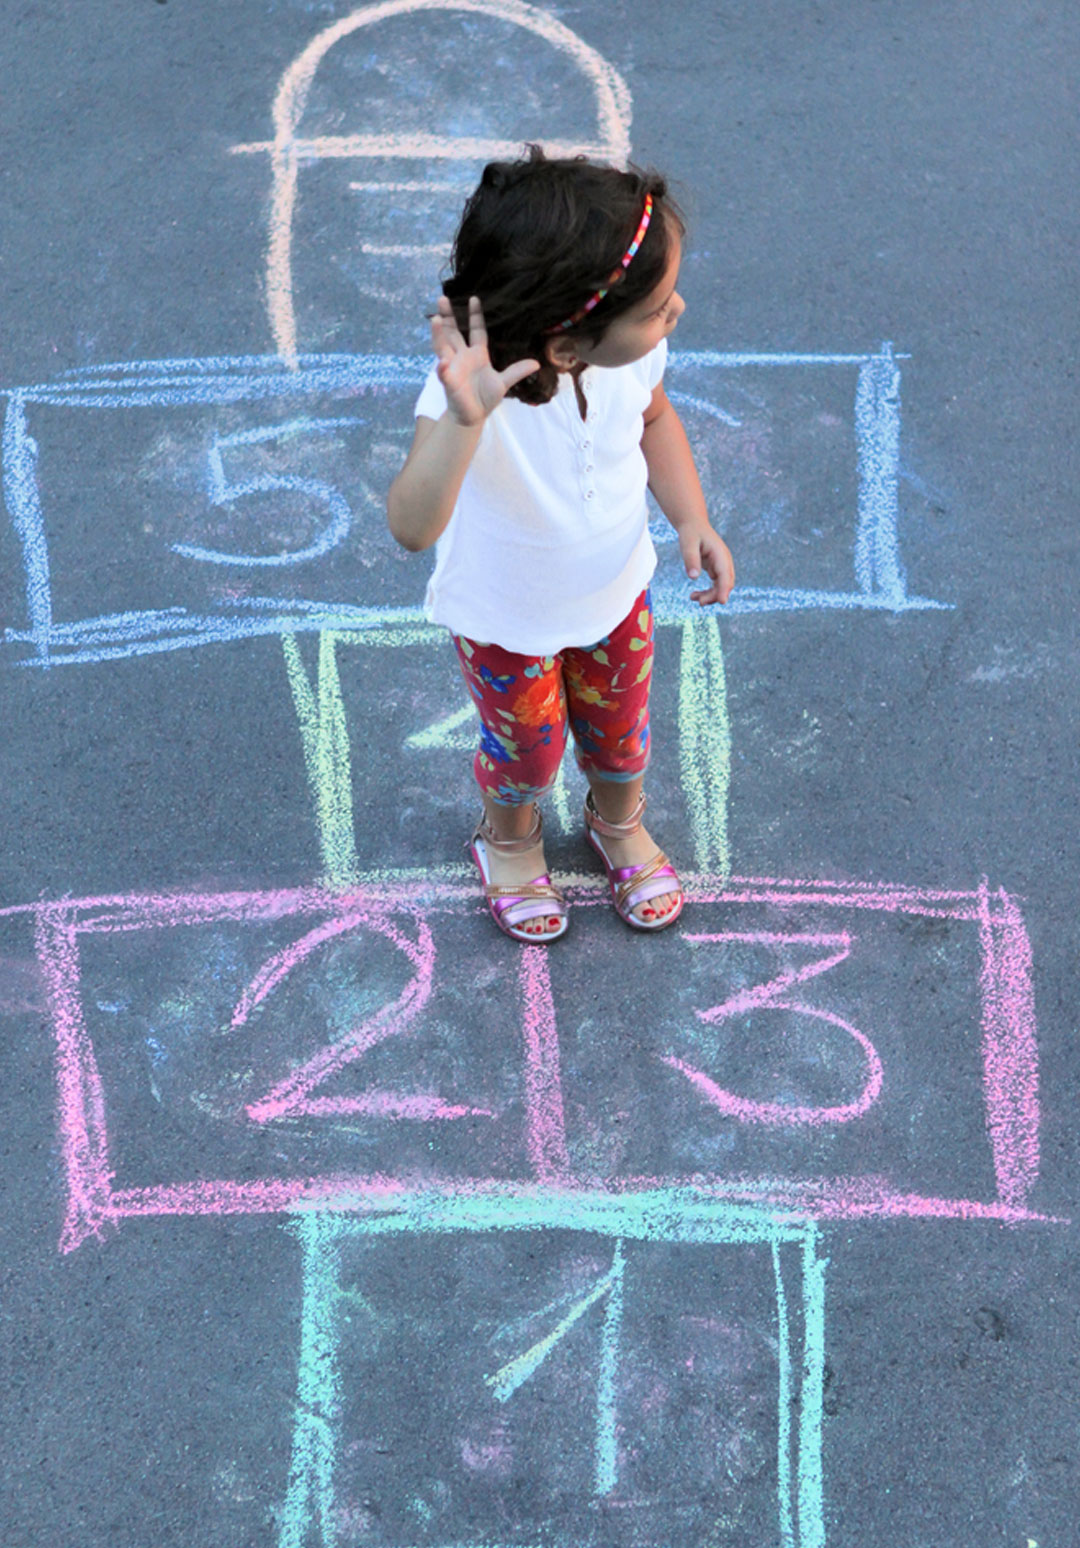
[(222, 492)]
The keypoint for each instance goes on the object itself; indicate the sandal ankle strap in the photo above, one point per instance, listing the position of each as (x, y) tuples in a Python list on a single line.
[(616, 830), (516, 846)]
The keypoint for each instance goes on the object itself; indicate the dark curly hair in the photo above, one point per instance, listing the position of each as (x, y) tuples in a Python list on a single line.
[(538, 237)]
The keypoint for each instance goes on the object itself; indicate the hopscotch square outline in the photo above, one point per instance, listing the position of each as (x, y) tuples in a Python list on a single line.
[(1009, 1054), (879, 574), (661, 1216)]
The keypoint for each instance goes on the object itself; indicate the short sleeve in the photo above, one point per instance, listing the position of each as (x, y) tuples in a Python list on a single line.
[(657, 360), (432, 400)]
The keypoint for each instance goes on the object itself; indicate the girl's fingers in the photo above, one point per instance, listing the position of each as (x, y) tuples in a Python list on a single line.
[(715, 559), (477, 330), (719, 591), (713, 594), (448, 322), (439, 342), (691, 558), (518, 372), (725, 578), (718, 562)]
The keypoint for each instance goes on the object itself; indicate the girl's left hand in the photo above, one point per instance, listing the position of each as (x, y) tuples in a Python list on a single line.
[(704, 549)]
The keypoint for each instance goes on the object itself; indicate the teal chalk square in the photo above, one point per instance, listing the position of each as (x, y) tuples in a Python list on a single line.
[(525, 1366)]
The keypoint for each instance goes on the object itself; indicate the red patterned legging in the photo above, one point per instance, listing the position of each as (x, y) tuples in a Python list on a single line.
[(527, 704)]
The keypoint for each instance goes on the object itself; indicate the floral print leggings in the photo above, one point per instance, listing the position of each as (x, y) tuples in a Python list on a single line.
[(527, 704)]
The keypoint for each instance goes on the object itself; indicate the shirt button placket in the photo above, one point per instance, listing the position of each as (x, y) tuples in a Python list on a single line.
[(587, 467)]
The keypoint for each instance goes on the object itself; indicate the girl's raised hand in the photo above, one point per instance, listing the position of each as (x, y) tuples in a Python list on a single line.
[(473, 386)]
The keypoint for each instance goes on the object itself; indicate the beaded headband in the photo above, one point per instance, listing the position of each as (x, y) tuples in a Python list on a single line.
[(617, 274)]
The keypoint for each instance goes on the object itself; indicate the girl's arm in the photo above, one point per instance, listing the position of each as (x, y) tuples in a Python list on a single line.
[(674, 481), (422, 497)]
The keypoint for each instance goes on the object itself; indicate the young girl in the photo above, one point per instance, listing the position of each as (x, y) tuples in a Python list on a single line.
[(536, 433)]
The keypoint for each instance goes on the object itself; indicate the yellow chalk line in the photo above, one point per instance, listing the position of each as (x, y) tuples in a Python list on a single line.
[(705, 742), (325, 739)]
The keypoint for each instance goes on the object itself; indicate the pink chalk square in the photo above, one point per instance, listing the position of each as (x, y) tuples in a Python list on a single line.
[(833, 1049), (260, 1046), (786, 1042), (236, 1053), (850, 1049)]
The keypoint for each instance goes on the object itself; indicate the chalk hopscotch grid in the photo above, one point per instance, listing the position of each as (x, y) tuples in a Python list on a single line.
[(309, 1510), (703, 732), (94, 1204), (1008, 1023), (879, 575), (880, 584)]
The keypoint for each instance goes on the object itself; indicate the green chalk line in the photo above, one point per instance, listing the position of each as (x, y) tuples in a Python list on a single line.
[(606, 1392), (783, 1397), (310, 1495), (325, 738), (705, 742), (811, 1494), (309, 1505), (448, 731), (515, 1372), (674, 1214)]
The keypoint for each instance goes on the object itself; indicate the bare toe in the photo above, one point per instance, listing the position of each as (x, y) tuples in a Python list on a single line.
[(542, 926), (656, 908)]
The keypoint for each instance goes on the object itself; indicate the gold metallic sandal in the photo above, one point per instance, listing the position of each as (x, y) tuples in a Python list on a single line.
[(633, 884), (511, 906)]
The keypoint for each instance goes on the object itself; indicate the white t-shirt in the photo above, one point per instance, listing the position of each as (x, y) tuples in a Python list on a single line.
[(549, 542)]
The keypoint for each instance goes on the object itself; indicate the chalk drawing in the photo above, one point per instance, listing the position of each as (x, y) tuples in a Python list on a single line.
[(784, 1404), (325, 736), (631, 1224), (448, 732), (23, 501), (223, 491), (767, 996), (289, 151), (294, 1095), (606, 1396), (877, 404), (408, 912), (704, 730), (546, 1124), (219, 380), (705, 741), (505, 1381), (310, 1498), (1010, 1051), (767, 993), (560, 794), (781, 1113), (410, 915)]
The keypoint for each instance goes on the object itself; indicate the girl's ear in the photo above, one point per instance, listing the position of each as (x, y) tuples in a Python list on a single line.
[(561, 352)]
